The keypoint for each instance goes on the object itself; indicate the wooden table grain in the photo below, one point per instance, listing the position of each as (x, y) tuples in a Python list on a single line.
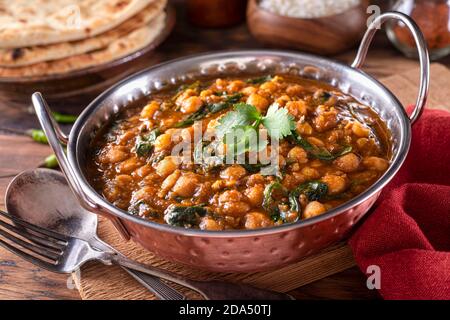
[(21, 280)]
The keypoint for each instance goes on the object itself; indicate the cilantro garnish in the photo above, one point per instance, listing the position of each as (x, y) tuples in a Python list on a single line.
[(278, 122)]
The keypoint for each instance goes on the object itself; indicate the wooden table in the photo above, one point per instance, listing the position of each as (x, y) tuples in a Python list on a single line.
[(21, 280)]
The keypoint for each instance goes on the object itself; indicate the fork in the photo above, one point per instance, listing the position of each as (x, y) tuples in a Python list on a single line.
[(63, 254)]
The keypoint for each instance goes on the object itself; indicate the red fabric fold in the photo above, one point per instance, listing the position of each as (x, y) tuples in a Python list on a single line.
[(408, 234)]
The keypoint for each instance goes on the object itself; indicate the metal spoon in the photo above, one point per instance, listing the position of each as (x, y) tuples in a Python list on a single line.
[(43, 198)]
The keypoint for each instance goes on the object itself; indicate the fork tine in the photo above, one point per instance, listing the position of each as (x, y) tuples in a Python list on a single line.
[(54, 246), (30, 246), (40, 263), (35, 228)]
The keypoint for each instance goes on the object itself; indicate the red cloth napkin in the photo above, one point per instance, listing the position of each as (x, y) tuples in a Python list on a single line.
[(408, 233)]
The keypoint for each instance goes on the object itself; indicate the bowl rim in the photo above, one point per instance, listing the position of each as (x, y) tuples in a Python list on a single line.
[(164, 34), (372, 191)]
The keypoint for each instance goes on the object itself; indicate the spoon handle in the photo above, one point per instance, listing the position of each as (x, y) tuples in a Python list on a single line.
[(162, 290), (154, 284)]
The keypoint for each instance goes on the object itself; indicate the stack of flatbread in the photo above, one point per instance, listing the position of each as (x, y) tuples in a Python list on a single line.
[(44, 37)]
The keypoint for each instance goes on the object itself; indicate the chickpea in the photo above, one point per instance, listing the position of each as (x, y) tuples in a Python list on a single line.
[(187, 134), (289, 181), (315, 141), (166, 166), (297, 108), (255, 179), (304, 128), (336, 184), (183, 96), (208, 223), (142, 171), (218, 184), (235, 86), (326, 118), (295, 90), (258, 101), (361, 143), (313, 209), (295, 167), (348, 163), (115, 154), (281, 161), (291, 216), (249, 90), (334, 136), (206, 93), (310, 173), (254, 220), (231, 196), (316, 163), (376, 163), (359, 130), (220, 84), (234, 172), (143, 193), (255, 195), (168, 183), (232, 203), (128, 165), (298, 155), (126, 137), (123, 180), (191, 104), (186, 185), (283, 100), (168, 122), (163, 142), (149, 110), (269, 86)]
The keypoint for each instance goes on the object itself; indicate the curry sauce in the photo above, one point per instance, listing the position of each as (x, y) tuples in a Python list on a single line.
[(329, 148)]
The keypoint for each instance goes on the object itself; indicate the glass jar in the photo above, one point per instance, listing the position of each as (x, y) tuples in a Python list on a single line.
[(216, 13), (433, 18)]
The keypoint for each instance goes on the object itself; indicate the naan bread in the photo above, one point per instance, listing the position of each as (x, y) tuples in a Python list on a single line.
[(117, 49), (27, 56), (25, 23)]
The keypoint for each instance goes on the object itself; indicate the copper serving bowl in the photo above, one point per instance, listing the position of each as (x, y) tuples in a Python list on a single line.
[(239, 250), (77, 87)]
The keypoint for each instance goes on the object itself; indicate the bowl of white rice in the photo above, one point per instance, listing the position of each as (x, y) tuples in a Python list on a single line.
[(324, 27)]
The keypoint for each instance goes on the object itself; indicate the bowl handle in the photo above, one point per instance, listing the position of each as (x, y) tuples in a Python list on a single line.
[(56, 137), (421, 47)]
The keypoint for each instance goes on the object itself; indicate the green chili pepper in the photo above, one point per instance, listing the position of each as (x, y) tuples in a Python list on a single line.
[(51, 162), (64, 118), (38, 136)]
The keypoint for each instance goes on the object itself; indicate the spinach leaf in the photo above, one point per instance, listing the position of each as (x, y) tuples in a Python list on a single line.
[(196, 116), (328, 156), (194, 86), (275, 214), (142, 209), (207, 109), (316, 152), (253, 168), (181, 216), (325, 96), (279, 215), (208, 155), (268, 190), (144, 144), (313, 190), (259, 80)]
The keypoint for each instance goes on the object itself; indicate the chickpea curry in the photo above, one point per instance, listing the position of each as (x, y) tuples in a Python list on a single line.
[(330, 148)]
